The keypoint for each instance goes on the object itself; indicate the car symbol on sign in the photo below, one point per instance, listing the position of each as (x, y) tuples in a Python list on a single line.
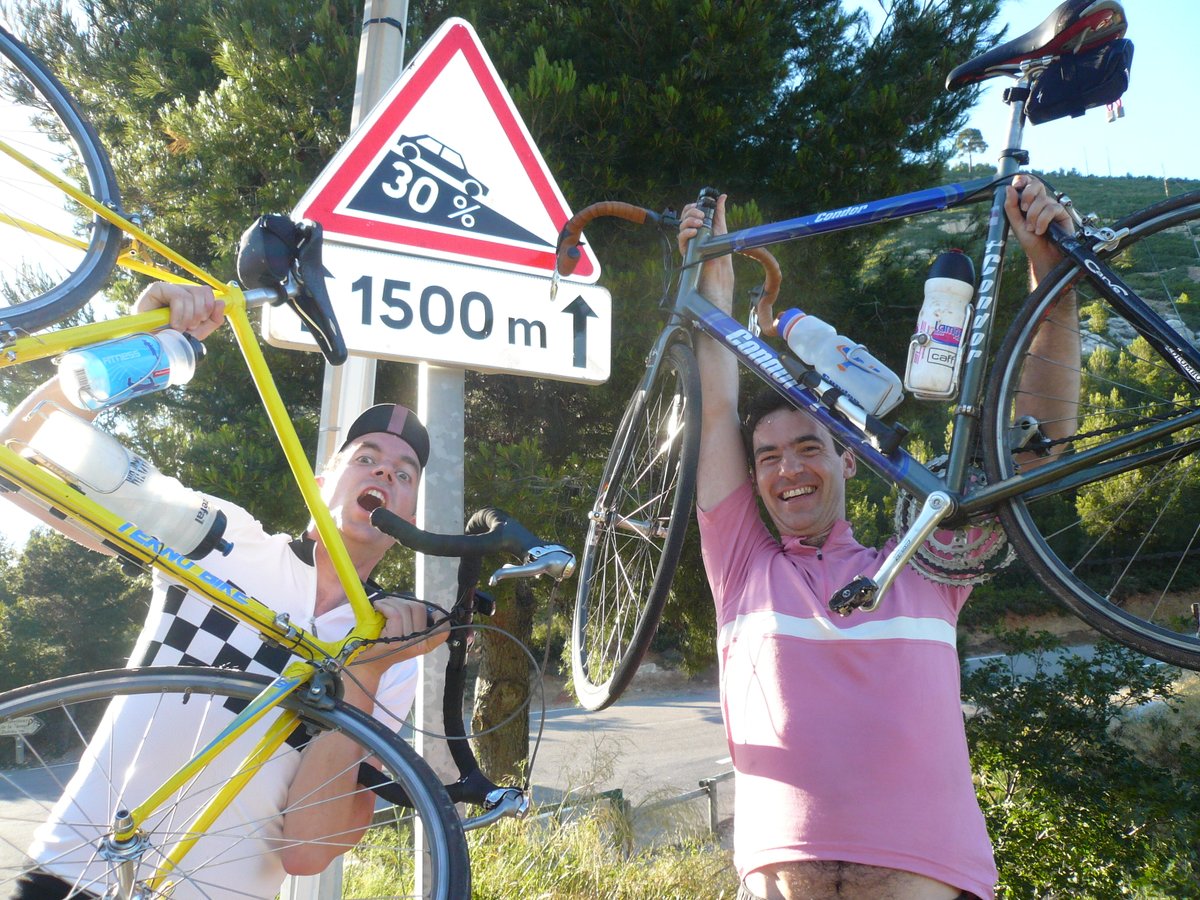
[(442, 162)]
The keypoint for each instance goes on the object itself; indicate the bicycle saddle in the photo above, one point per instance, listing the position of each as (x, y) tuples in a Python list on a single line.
[(1075, 26), (275, 249)]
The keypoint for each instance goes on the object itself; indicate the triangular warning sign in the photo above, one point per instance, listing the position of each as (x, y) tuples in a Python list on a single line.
[(444, 167)]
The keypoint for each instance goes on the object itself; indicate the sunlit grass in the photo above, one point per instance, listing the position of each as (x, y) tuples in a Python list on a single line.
[(598, 851)]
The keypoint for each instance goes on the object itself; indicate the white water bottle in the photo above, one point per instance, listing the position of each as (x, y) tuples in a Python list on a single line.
[(841, 361), (104, 470), (112, 372), (935, 352)]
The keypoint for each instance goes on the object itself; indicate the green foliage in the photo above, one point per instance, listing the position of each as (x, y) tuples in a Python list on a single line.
[(584, 859), (211, 113), (547, 499), (64, 610), (577, 855), (1073, 805)]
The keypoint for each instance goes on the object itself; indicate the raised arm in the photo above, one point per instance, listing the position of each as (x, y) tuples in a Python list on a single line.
[(723, 464), (193, 310), (1050, 379)]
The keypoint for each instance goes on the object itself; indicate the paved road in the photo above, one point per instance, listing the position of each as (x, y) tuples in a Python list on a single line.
[(25, 798), (650, 745)]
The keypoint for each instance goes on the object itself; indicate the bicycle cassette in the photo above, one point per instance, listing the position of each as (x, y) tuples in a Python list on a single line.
[(970, 554)]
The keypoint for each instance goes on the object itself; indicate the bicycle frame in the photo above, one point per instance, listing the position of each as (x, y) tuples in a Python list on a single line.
[(943, 496), (135, 545)]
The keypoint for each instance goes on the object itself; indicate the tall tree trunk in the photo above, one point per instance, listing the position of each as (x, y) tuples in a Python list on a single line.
[(502, 686)]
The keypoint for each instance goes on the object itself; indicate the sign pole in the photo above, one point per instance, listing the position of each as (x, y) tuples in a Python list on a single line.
[(440, 220), (350, 388)]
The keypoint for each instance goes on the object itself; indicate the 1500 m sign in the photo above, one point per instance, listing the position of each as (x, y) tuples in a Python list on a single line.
[(408, 308)]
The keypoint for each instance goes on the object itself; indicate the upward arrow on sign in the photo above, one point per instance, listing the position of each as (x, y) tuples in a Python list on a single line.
[(580, 313)]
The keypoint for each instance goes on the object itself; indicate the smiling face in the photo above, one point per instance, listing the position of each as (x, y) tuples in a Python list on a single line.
[(377, 469), (800, 474)]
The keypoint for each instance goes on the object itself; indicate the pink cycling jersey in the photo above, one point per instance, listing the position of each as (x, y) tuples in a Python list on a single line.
[(846, 734)]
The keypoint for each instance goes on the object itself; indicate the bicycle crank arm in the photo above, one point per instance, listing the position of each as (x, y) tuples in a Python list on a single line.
[(865, 592)]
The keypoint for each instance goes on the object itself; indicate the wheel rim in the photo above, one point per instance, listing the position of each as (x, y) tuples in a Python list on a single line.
[(1123, 551), (636, 528), (43, 279), (70, 711)]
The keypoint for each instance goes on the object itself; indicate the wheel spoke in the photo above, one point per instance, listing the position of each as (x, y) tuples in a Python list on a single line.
[(637, 527), (1118, 545)]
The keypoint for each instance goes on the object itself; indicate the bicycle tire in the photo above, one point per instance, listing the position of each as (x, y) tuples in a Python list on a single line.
[(1119, 551), (43, 281), (246, 836), (625, 573)]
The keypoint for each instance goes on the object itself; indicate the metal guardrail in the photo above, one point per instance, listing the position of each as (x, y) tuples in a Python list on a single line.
[(708, 788)]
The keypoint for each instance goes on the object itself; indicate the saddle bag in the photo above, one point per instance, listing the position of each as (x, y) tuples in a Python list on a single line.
[(1074, 84)]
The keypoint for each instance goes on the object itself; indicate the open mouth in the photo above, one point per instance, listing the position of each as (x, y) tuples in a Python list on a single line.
[(371, 499), (798, 492)]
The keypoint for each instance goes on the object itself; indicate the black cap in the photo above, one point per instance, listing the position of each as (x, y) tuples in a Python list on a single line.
[(392, 418)]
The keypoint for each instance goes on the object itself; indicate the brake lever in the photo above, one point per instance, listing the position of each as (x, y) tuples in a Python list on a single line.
[(552, 559)]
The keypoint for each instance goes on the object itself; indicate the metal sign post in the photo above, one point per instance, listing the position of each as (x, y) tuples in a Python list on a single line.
[(350, 388), (440, 219)]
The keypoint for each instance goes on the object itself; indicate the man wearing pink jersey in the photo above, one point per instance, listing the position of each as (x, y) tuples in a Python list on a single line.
[(847, 736)]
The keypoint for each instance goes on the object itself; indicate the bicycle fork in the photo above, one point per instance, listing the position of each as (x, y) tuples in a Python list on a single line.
[(865, 592), (125, 847)]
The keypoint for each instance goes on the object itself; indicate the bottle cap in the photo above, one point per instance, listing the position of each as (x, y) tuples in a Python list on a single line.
[(953, 264), (198, 348), (786, 320)]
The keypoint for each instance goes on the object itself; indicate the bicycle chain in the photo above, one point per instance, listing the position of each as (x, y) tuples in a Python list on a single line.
[(1100, 432)]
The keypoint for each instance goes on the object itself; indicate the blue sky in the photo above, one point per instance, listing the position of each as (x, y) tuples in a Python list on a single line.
[(1160, 133)]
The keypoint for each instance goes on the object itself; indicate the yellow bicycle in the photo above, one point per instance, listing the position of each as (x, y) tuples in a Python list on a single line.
[(62, 231)]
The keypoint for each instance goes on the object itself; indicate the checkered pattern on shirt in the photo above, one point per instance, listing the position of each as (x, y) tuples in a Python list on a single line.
[(193, 632)]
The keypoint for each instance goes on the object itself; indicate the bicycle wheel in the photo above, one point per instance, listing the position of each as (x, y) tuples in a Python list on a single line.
[(54, 253), (636, 531), (71, 769), (1120, 546)]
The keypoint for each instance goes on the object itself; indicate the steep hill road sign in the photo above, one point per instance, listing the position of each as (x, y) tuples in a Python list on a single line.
[(444, 167), (440, 220)]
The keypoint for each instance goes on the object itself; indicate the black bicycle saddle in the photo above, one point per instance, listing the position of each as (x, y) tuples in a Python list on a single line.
[(1074, 26)]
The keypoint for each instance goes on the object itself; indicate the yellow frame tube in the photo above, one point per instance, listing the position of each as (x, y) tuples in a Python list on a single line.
[(364, 613), (109, 215), (271, 696), (218, 803)]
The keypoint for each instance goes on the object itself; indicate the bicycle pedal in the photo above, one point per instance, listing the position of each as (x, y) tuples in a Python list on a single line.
[(858, 594)]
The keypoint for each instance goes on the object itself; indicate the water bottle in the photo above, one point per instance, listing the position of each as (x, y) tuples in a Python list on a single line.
[(110, 373), (841, 361), (935, 352), (104, 470)]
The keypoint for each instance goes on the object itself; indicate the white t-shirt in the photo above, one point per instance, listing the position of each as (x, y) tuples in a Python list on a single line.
[(183, 629)]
